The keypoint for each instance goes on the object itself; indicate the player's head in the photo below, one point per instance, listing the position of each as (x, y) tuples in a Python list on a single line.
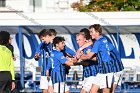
[(53, 32), (47, 35), (95, 30), (81, 40), (86, 33), (59, 43), (4, 37)]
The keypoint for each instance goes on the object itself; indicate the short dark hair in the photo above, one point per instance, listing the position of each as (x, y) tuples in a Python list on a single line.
[(48, 32), (97, 27), (86, 33), (57, 40), (4, 37)]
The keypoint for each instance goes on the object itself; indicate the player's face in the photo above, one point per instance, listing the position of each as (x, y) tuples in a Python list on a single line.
[(45, 39), (51, 38), (80, 40), (93, 33), (61, 45)]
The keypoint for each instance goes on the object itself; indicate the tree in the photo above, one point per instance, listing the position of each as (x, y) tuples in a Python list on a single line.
[(107, 5)]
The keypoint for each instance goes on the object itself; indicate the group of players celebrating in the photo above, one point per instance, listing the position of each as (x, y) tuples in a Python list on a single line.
[(102, 65)]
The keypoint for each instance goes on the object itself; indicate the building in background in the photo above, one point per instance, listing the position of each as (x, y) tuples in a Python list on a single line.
[(36, 6)]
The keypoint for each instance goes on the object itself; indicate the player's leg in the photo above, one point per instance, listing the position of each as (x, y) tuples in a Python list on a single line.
[(83, 91), (106, 90), (94, 88), (67, 92), (56, 87), (60, 88), (107, 82), (117, 80), (65, 88), (50, 86), (44, 84), (44, 91), (83, 83), (96, 84), (87, 84)]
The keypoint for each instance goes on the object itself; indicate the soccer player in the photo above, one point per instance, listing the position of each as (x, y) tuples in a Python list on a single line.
[(88, 71), (89, 40), (117, 67), (101, 48), (58, 60), (86, 34), (47, 36), (7, 75), (116, 60)]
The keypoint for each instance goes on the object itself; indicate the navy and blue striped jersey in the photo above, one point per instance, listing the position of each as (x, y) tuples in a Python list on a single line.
[(101, 48), (58, 69), (48, 49), (44, 49), (116, 59), (89, 70), (43, 46)]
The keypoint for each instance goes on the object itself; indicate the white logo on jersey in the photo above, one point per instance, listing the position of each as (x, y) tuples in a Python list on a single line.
[(62, 57), (52, 55)]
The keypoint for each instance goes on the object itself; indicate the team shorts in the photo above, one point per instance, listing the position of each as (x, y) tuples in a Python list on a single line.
[(45, 82), (118, 78), (104, 80), (87, 83), (62, 87)]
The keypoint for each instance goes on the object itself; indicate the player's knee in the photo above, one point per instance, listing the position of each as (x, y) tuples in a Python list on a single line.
[(44, 91), (84, 90), (94, 89), (106, 90)]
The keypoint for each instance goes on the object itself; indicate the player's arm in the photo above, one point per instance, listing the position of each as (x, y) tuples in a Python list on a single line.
[(91, 54), (49, 65), (64, 60), (38, 51), (69, 51), (78, 53), (87, 56), (85, 45), (69, 63)]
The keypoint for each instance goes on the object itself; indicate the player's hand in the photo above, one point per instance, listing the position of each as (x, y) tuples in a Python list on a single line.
[(78, 54), (13, 85), (47, 73), (37, 55), (94, 59), (70, 59), (75, 59), (14, 58)]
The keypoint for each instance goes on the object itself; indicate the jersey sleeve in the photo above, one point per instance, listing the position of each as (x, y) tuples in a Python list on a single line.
[(111, 47), (49, 63), (38, 50), (61, 58), (69, 51), (95, 47)]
